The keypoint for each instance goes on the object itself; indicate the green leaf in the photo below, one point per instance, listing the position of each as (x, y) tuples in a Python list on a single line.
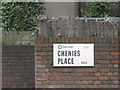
[(97, 9), (18, 16)]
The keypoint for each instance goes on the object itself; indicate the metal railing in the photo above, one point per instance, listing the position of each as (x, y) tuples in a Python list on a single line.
[(86, 19)]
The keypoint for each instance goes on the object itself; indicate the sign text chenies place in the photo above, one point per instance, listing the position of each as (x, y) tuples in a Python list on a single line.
[(73, 54)]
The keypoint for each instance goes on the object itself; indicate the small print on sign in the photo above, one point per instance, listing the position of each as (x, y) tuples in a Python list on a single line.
[(73, 54)]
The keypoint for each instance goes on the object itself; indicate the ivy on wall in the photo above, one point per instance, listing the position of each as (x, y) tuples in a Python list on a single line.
[(21, 16)]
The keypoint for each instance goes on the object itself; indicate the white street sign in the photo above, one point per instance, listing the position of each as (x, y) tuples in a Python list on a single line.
[(73, 54)]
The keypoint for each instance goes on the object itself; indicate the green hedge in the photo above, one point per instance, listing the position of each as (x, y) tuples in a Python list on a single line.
[(97, 9), (21, 16)]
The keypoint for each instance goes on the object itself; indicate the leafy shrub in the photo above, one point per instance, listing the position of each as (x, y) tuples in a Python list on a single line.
[(97, 9), (20, 16)]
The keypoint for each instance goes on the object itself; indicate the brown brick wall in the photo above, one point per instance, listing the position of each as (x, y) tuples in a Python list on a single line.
[(104, 74), (18, 67)]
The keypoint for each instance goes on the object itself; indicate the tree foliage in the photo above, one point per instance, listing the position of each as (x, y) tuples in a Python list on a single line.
[(20, 16), (97, 9)]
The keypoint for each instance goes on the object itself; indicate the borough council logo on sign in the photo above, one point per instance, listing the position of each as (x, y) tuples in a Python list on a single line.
[(73, 54)]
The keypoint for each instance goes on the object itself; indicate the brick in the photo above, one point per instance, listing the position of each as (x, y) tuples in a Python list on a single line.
[(41, 53), (48, 74), (97, 74), (50, 53), (79, 70), (48, 49), (49, 66), (40, 66), (97, 82), (114, 69), (97, 58), (103, 78), (109, 73), (115, 73), (76, 86), (102, 86), (54, 78), (67, 78), (42, 86), (115, 82), (77, 82), (39, 83), (41, 62), (39, 57), (54, 86), (41, 78), (110, 65), (54, 70), (86, 82), (115, 61), (38, 74), (104, 70), (66, 74), (42, 45), (91, 82), (114, 53), (42, 70), (91, 78), (50, 45), (91, 70), (106, 82), (115, 57), (75, 74), (103, 53), (54, 74), (49, 58), (113, 78), (116, 65), (88, 86), (101, 66), (51, 83), (88, 74), (113, 86), (103, 62), (68, 82), (109, 57)]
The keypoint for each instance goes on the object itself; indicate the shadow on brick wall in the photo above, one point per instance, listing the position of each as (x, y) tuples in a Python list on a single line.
[(18, 67)]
